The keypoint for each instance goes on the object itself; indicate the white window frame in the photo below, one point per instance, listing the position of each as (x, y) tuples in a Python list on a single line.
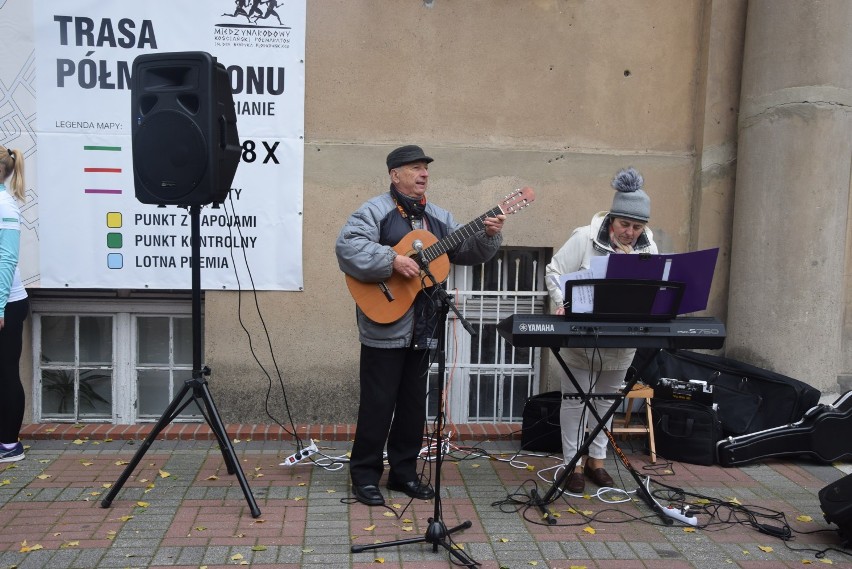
[(123, 313)]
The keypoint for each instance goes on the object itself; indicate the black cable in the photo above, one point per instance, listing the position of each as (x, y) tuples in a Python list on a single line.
[(293, 433)]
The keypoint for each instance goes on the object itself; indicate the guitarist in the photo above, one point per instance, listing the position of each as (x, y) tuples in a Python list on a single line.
[(394, 361)]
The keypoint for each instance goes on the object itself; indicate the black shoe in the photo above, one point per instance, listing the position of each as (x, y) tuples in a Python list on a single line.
[(368, 494), (412, 489)]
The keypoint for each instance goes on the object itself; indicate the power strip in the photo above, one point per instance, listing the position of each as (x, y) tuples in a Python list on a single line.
[(301, 455), (681, 516)]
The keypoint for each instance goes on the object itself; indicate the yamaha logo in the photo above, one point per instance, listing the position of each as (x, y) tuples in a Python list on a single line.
[(522, 327), (700, 331)]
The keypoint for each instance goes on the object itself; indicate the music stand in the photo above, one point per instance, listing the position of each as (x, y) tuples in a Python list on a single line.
[(196, 389), (437, 531)]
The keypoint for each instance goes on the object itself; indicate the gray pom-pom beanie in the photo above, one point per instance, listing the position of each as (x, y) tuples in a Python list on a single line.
[(630, 199)]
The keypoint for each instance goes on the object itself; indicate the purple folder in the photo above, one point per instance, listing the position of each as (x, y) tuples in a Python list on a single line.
[(694, 270)]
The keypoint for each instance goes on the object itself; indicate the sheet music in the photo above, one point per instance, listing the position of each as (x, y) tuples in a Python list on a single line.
[(583, 297)]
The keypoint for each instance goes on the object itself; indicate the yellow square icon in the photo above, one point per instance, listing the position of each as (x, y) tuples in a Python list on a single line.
[(113, 219)]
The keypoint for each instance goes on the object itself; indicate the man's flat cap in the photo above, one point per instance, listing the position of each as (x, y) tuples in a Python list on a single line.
[(406, 155)]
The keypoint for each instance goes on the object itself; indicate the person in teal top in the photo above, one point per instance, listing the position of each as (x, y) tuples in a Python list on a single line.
[(14, 305)]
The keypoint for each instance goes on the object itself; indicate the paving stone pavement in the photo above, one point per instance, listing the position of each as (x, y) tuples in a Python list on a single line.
[(180, 508)]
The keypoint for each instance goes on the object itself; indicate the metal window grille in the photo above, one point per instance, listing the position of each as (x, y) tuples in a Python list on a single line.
[(487, 379)]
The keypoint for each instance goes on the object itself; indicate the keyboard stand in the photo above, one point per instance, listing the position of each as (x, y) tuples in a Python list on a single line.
[(551, 495)]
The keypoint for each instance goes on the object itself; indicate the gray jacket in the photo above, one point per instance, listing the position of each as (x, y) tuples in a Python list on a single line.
[(364, 251)]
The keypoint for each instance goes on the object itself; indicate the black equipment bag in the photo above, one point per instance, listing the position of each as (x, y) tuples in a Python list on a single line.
[(836, 503), (749, 398), (686, 431), (540, 427)]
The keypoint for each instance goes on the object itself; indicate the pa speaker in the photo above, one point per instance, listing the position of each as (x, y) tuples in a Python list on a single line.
[(184, 128), (836, 503)]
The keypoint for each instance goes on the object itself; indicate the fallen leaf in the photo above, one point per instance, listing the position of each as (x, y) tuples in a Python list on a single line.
[(689, 530), (370, 528), (804, 519), (590, 530), (407, 528), (826, 560), (27, 548), (236, 557), (258, 548), (308, 550), (77, 442), (86, 463), (503, 540), (143, 504), (164, 474), (68, 544), (475, 465), (389, 515), (379, 560), (765, 548), (44, 476)]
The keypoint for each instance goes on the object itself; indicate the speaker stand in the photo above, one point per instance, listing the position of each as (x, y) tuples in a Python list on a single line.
[(195, 389)]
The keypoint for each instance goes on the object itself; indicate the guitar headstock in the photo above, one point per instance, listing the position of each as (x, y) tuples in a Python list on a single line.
[(517, 200)]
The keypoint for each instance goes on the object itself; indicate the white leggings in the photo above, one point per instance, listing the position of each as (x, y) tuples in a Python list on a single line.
[(573, 411)]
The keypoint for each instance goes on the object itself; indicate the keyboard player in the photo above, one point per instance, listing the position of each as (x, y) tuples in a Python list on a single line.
[(621, 230)]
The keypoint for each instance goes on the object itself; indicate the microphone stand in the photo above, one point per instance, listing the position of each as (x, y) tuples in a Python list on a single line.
[(437, 532)]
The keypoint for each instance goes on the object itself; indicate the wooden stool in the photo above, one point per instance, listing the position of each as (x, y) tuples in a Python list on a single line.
[(646, 393)]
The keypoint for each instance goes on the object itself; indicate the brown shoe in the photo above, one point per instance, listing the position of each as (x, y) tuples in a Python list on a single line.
[(576, 483), (599, 476)]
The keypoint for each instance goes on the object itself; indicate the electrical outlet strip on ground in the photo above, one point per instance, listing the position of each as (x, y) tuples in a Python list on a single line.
[(684, 517), (301, 455)]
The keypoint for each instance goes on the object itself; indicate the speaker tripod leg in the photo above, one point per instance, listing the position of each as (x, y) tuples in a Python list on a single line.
[(175, 407), (226, 447)]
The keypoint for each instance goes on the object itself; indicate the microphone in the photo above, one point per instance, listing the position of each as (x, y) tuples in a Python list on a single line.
[(417, 245)]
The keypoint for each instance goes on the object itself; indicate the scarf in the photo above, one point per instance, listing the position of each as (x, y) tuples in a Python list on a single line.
[(410, 208), (619, 247)]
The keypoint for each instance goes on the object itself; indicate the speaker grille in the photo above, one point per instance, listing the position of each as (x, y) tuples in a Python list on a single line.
[(172, 153)]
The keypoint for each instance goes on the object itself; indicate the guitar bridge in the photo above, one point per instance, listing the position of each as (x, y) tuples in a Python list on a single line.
[(386, 291)]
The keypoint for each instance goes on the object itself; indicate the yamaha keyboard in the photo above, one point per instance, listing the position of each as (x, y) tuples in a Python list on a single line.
[(552, 331)]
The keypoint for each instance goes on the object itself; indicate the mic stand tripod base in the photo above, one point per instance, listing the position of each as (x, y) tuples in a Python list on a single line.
[(436, 534)]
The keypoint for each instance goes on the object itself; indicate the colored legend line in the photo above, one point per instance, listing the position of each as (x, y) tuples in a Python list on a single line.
[(105, 170), (99, 191), (105, 148)]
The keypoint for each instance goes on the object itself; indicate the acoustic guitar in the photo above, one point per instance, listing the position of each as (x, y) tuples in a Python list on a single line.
[(388, 300)]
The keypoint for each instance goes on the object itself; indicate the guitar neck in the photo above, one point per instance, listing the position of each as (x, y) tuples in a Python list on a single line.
[(459, 235)]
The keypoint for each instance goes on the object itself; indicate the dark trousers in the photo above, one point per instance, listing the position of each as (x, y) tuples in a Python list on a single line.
[(11, 389), (392, 408)]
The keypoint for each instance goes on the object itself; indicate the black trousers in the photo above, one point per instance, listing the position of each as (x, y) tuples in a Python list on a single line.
[(392, 408), (11, 390)]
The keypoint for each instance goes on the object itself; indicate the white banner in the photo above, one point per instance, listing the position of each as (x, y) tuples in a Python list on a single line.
[(93, 232)]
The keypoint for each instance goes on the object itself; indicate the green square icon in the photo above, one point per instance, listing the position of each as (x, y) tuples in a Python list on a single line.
[(114, 240)]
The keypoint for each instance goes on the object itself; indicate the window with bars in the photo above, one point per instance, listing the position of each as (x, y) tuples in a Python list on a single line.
[(486, 378)]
